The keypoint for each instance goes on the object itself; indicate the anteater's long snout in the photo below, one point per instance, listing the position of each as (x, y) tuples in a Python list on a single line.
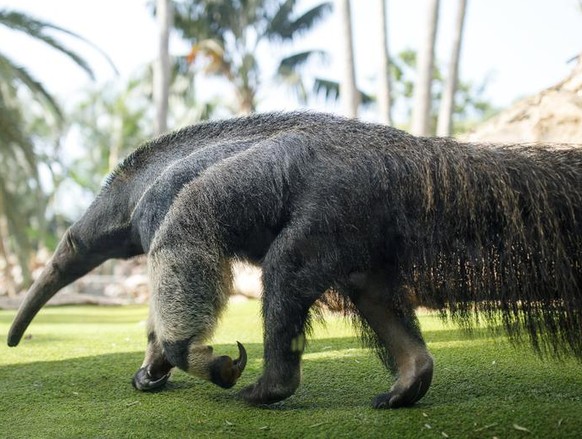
[(66, 265)]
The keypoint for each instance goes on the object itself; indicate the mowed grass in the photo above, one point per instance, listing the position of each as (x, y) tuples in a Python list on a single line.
[(71, 377)]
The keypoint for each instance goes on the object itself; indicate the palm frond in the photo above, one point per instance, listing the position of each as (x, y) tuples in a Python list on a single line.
[(9, 69), (294, 62), (37, 29), (284, 28), (331, 91), (9, 128), (15, 144), (279, 22), (198, 21)]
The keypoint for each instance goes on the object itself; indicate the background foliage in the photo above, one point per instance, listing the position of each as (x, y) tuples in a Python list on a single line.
[(54, 158)]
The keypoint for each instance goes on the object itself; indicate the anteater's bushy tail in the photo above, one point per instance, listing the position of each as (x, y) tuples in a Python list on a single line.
[(495, 232)]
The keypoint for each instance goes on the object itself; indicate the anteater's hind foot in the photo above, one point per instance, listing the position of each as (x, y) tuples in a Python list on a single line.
[(396, 329), (409, 388)]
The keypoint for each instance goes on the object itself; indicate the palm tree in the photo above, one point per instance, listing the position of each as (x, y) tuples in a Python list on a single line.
[(422, 89), (349, 95), (384, 98), (164, 13), (445, 120), (22, 201), (227, 34)]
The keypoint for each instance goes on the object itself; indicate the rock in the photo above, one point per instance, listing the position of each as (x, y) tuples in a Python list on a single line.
[(552, 116)]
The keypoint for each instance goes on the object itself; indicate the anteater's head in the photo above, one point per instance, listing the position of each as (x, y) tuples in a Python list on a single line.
[(103, 232)]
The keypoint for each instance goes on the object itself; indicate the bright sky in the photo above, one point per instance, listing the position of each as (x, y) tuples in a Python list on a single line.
[(522, 45)]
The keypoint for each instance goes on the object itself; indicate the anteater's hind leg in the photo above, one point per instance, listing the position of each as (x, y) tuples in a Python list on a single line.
[(396, 327)]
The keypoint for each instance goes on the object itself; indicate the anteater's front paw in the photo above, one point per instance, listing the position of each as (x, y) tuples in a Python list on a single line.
[(263, 393), (143, 381)]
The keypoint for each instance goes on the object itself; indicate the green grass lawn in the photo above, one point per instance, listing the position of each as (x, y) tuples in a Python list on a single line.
[(71, 377)]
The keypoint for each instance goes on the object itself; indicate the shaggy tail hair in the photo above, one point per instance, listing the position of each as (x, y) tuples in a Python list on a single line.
[(495, 234)]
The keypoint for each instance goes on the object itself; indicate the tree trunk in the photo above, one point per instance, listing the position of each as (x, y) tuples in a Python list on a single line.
[(9, 282), (246, 101), (116, 142), (445, 120), (161, 90), (384, 99), (348, 91), (425, 64)]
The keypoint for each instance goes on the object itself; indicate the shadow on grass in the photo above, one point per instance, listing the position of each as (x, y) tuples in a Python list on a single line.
[(336, 372), (92, 396), (84, 314)]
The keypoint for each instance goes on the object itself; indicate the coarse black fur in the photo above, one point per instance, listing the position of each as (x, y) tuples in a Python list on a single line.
[(386, 220)]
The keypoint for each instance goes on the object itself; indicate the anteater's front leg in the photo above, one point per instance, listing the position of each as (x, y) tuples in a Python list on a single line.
[(189, 291), (284, 341), (289, 292), (155, 369)]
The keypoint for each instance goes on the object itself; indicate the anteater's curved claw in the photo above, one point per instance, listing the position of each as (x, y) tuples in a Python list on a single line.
[(224, 371)]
